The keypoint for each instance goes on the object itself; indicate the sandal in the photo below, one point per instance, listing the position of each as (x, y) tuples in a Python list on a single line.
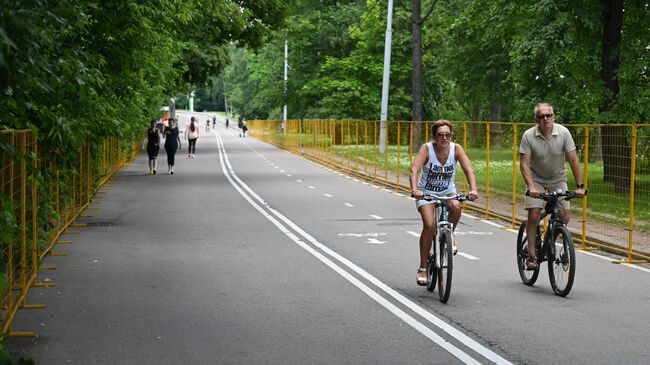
[(531, 263), (422, 276)]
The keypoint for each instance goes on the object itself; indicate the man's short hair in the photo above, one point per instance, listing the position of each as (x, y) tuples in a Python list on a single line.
[(541, 105)]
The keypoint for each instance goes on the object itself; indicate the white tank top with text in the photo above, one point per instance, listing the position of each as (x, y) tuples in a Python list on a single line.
[(436, 178)]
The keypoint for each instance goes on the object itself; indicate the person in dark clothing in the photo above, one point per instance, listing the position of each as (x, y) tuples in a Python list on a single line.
[(153, 146), (172, 144)]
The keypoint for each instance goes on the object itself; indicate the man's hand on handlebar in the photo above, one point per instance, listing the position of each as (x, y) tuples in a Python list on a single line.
[(472, 195), (533, 192)]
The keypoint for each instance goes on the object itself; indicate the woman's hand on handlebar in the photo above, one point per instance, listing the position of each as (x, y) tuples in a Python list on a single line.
[(417, 194)]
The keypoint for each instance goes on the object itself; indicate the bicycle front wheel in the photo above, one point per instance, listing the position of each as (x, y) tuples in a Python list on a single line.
[(562, 262), (446, 266), (432, 271), (529, 277)]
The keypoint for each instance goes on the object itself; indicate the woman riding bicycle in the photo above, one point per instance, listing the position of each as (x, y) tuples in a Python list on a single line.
[(437, 160)]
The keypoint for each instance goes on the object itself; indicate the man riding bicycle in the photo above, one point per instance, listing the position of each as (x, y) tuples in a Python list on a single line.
[(542, 152)]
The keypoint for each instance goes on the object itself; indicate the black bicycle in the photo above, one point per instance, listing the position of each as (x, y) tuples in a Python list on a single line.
[(556, 247), (440, 264)]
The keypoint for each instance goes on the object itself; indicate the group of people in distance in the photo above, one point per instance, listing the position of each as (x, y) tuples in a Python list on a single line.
[(542, 153), (171, 135)]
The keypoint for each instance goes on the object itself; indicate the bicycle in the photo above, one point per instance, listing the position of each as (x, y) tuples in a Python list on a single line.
[(440, 263), (556, 247)]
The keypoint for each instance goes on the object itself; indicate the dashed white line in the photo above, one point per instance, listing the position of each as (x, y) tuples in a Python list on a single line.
[(311, 187), (299, 180), (414, 234), (328, 195), (467, 256), (349, 205), (376, 216)]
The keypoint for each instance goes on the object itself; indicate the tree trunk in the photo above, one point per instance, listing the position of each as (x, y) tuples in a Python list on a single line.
[(495, 112), (416, 84), (475, 137), (616, 148)]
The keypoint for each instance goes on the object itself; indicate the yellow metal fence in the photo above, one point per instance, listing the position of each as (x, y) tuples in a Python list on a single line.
[(615, 166), (40, 201)]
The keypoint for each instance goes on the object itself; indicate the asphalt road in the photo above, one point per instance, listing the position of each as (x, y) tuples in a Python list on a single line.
[(250, 254)]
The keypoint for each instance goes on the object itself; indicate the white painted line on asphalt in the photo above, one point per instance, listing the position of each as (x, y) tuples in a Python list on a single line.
[(376, 216), (455, 351), (467, 256), (349, 205), (636, 267), (414, 234), (282, 171), (299, 180), (289, 175), (592, 254), (311, 187), (276, 167), (328, 195)]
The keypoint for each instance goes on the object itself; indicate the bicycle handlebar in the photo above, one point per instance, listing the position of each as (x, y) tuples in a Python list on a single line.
[(557, 194), (460, 198)]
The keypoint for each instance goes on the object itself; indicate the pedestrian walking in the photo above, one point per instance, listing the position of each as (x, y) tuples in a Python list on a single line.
[(244, 128), (172, 144), (192, 134), (153, 145)]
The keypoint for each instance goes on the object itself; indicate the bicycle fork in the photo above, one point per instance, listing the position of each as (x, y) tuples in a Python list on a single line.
[(442, 227)]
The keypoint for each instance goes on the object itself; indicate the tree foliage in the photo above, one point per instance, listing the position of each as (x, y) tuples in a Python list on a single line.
[(482, 60)]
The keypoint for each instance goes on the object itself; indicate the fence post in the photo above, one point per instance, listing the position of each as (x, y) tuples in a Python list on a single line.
[(629, 259), (514, 177), (487, 172), (585, 179), (398, 148)]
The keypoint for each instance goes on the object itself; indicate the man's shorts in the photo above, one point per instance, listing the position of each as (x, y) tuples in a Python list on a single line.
[(539, 203)]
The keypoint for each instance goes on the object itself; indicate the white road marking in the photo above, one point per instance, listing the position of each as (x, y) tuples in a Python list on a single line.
[(592, 254), (467, 256), (414, 234), (328, 195), (455, 351), (311, 187), (349, 205), (299, 180), (289, 175), (376, 216)]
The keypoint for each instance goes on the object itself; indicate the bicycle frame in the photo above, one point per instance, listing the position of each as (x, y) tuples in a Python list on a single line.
[(555, 220)]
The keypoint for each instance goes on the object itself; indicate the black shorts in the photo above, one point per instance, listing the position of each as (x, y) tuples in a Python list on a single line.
[(152, 151)]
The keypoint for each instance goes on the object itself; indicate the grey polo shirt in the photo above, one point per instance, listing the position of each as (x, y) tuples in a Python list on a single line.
[(547, 156)]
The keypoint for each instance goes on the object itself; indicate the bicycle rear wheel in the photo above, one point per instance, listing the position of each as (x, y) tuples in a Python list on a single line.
[(432, 272), (446, 265), (562, 265), (529, 277)]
